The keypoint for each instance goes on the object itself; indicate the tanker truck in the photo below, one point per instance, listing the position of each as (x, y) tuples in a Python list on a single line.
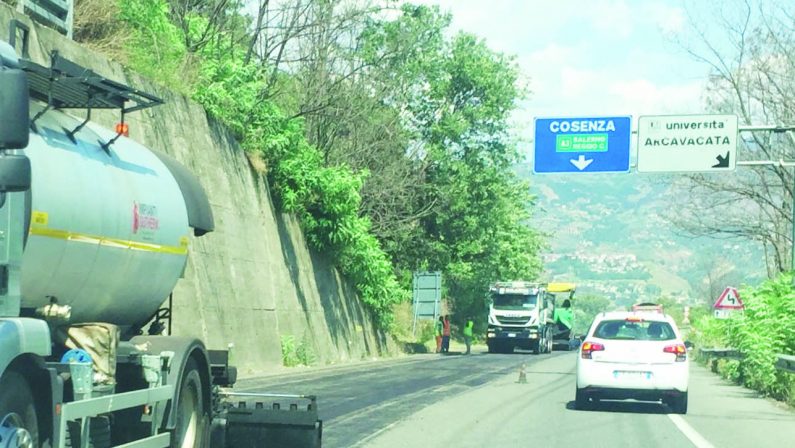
[(95, 231)]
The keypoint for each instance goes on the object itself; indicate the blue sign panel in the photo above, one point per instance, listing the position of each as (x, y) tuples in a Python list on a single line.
[(582, 145)]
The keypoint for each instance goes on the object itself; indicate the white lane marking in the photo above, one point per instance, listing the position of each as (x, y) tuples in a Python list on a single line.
[(698, 440)]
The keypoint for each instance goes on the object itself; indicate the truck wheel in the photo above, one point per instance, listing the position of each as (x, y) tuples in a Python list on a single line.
[(193, 420), (492, 348), (19, 425), (537, 347)]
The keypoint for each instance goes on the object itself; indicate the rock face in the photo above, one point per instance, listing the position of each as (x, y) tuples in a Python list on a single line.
[(253, 282)]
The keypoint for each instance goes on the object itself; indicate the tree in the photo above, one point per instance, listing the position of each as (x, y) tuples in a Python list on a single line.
[(384, 134), (586, 308), (755, 81), (426, 117)]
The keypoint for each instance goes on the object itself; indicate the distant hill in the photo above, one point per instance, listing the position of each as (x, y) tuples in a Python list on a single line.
[(607, 232)]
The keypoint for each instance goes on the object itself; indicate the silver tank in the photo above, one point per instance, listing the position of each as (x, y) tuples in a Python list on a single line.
[(108, 230)]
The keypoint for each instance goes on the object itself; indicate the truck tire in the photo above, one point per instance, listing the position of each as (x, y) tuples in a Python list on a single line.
[(492, 348), (18, 417), (192, 417)]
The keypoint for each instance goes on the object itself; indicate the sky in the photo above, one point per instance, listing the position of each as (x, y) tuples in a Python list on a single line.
[(592, 57)]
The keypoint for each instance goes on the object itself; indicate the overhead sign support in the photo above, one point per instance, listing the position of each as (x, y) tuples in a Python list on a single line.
[(577, 145)]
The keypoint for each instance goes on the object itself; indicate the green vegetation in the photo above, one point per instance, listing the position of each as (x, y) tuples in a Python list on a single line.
[(763, 331), (585, 309), (297, 354), (386, 137), (289, 359)]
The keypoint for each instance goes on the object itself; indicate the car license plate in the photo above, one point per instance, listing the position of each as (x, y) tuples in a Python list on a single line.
[(631, 374), (511, 335)]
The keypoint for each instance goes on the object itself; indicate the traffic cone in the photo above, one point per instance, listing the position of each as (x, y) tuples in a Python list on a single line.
[(522, 374)]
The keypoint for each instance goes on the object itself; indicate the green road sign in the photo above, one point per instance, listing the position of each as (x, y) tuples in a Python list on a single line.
[(581, 142)]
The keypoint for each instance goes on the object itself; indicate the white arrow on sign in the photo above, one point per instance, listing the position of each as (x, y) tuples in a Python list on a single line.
[(581, 163)]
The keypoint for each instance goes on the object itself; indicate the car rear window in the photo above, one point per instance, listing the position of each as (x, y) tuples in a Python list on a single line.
[(648, 330)]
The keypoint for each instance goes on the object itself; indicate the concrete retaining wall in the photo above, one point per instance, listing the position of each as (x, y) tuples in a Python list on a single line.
[(253, 281)]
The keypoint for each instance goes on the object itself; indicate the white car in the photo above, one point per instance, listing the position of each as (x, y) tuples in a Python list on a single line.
[(633, 355)]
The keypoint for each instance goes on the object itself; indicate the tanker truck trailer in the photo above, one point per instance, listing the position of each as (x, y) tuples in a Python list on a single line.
[(94, 235)]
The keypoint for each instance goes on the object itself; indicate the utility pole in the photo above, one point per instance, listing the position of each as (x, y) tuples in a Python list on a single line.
[(782, 163)]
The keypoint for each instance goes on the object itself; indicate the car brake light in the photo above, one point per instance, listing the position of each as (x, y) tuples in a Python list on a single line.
[(679, 350), (590, 347), (634, 319)]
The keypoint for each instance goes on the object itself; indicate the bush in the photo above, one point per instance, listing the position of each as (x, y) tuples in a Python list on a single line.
[(289, 358), (763, 331), (297, 354)]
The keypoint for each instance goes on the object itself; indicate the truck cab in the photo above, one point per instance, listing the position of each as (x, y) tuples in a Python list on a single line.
[(520, 315)]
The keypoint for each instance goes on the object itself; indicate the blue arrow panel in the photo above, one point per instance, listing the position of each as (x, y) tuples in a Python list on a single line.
[(582, 145)]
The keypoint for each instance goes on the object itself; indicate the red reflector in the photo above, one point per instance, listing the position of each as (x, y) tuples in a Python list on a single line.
[(57, 408), (123, 129)]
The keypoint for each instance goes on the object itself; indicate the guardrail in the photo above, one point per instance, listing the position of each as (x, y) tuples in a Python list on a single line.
[(725, 353), (58, 14), (784, 363)]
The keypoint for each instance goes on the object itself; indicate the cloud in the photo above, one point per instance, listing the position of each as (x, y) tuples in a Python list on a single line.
[(670, 20), (576, 82), (553, 55), (642, 96), (610, 17)]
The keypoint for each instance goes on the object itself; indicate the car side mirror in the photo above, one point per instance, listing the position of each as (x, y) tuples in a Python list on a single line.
[(14, 109), (14, 173)]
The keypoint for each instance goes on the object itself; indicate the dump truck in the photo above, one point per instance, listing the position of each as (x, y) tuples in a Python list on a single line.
[(520, 316), (95, 231), (530, 315), (563, 337)]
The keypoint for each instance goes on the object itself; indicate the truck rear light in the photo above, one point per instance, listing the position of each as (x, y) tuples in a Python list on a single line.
[(590, 347), (677, 349)]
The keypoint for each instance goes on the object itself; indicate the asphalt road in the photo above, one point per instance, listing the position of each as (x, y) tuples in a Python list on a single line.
[(475, 401)]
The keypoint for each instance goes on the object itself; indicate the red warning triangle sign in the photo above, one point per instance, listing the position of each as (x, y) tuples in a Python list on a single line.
[(729, 300)]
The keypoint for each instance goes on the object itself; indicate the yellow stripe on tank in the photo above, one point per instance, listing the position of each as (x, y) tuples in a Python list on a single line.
[(182, 249)]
